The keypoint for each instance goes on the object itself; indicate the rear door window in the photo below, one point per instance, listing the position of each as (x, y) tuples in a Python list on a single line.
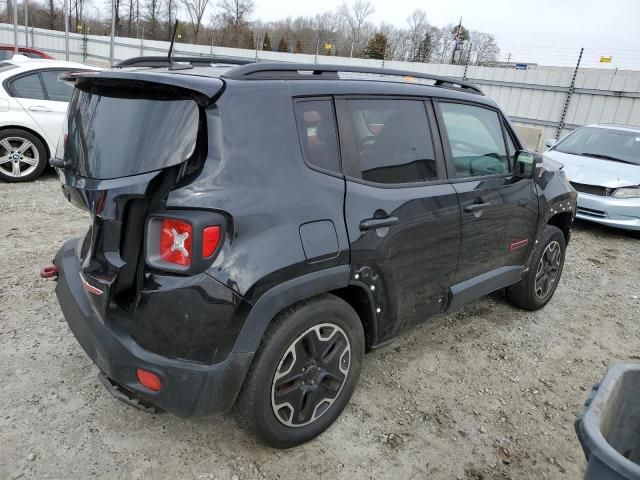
[(56, 90), (28, 86), (476, 140), (316, 123), (392, 141)]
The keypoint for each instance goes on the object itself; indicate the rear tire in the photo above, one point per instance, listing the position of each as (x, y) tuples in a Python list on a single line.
[(539, 283), (304, 372), (23, 156)]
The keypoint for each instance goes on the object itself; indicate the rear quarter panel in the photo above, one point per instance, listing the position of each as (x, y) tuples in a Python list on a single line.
[(261, 183)]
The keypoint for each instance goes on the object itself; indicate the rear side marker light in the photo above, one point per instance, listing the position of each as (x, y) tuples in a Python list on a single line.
[(175, 242), (90, 288), (210, 240), (149, 380)]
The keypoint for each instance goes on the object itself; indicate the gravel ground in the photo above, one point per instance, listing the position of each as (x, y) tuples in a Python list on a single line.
[(489, 392)]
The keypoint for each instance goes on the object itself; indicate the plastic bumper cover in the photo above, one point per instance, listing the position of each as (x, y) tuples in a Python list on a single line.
[(188, 389)]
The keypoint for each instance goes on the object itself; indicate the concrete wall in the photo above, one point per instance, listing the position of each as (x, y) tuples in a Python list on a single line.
[(533, 98)]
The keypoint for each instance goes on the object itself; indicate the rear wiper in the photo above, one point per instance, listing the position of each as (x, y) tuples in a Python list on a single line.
[(605, 157)]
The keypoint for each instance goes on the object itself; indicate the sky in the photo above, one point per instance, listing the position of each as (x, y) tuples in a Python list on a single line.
[(545, 31)]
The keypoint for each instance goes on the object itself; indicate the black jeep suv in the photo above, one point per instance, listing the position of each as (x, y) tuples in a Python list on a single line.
[(256, 228)]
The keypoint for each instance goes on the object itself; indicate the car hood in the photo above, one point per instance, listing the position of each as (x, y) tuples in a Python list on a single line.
[(596, 171)]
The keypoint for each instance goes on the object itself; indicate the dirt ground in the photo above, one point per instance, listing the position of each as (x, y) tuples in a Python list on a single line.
[(489, 392)]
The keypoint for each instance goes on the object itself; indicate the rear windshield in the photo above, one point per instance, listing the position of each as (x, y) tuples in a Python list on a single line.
[(606, 143), (110, 136)]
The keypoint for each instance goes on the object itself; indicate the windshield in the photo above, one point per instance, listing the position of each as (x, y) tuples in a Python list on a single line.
[(110, 137), (608, 143)]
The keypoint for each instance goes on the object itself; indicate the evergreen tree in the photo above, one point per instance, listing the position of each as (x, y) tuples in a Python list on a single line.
[(266, 43), (424, 51), (299, 47), (283, 46), (377, 46)]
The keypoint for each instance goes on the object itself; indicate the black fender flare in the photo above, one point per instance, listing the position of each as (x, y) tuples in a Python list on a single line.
[(284, 295)]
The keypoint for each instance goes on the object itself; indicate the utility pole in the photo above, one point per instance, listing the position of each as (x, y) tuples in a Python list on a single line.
[(508, 59), (66, 30), (15, 25), (26, 23), (113, 31)]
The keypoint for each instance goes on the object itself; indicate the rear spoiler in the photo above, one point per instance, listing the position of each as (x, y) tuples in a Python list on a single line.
[(206, 88)]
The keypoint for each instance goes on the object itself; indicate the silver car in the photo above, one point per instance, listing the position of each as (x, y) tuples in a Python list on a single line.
[(602, 162)]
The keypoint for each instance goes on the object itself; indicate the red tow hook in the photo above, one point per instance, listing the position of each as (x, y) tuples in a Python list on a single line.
[(49, 271)]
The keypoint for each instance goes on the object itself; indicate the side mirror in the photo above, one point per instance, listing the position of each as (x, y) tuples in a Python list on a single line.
[(528, 164), (550, 142)]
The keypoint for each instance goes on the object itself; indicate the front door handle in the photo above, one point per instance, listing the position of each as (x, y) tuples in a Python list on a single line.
[(474, 207), (39, 108), (373, 223)]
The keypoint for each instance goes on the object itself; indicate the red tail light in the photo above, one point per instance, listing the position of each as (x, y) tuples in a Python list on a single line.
[(210, 240), (175, 242), (149, 380)]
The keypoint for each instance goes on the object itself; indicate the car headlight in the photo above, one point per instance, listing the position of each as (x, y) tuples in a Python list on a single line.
[(627, 192)]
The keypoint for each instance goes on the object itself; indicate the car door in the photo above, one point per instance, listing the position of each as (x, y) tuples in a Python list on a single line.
[(401, 213), (499, 210), (44, 98)]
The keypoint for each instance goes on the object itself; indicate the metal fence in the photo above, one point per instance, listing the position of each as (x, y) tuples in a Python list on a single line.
[(551, 100)]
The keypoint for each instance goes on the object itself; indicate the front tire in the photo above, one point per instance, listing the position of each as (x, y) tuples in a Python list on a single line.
[(304, 372), (23, 156), (541, 280)]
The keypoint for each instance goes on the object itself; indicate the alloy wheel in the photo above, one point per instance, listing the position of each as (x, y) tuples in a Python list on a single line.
[(548, 269), (310, 375), (18, 157)]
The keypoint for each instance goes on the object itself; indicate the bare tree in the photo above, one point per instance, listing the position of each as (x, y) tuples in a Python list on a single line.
[(52, 13), (418, 28), (234, 15), (152, 15), (355, 17), (196, 9), (484, 48), (171, 14)]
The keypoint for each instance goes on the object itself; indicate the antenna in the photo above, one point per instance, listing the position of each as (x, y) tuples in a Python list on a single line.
[(173, 65)]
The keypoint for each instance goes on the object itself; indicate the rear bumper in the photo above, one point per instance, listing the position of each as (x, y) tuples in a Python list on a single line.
[(188, 389), (614, 212)]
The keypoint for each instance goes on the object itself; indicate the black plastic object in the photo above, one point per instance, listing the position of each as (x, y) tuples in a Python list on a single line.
[(127, 396), (609, 426)]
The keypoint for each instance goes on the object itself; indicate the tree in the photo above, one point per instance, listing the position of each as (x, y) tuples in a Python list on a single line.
[(299, 47), (195, 9), (424, 51), (355, 17), (152, 15), (485, 48), (459, 35), (283, 46), (266, 43), (377, 46), (235, 16), (418, 27)]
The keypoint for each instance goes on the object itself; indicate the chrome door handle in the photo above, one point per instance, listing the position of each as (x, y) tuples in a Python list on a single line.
[(474, 207), (40, 108), (373, 223)]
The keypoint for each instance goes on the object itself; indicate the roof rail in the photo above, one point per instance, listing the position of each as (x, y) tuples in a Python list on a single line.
[(158, 61), (298, 71)]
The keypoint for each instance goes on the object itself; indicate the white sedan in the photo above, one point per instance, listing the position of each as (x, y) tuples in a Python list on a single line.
[(33, 106)]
